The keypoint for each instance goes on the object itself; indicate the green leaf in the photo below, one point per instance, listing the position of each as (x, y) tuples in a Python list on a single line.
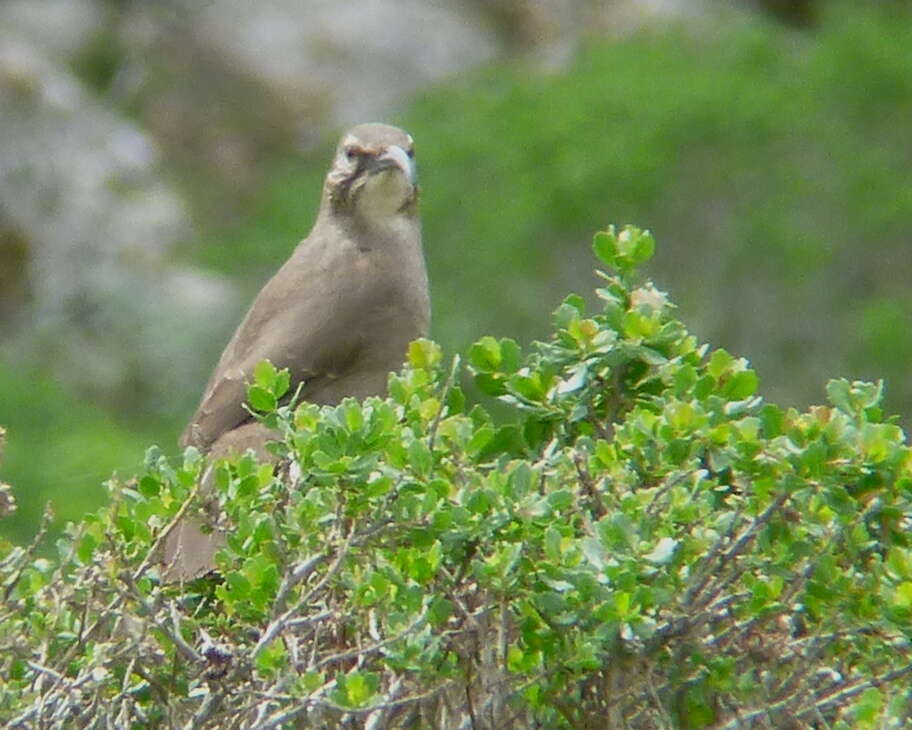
[(577, 302), (839, 394), (149, 486), (440, 610), (356, 689), (626, 250), (643, 246), (773, 420), (420, 458), (424, 354), (520, 480), (741, 385), (511, 356), (595, 552), (282, 383), (481, 438), (272, 659), (605, 247), (264, 374), (311, 681), (552, 544), (880, 440), (485, 355), (533, 387), (639, 326), (868, 707), (352, 414), (523, 660), (560, 500), (720, 362), (86, 548), (902, 596), (261, 399), (506, 440), (854, 398), (455, 401), (493, 385), (622, 605), (238, 585)]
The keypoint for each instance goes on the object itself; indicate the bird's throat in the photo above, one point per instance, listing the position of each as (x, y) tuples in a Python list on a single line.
[(383, 196)]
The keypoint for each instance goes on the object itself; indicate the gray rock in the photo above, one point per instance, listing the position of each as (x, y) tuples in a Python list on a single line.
[(366, 56), (81, 192), (58, 27)]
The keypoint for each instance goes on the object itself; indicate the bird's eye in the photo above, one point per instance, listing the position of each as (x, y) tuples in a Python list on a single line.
[(411, 153), (351, 153)]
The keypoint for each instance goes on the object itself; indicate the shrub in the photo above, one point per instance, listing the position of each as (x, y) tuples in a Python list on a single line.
[(647, 544)]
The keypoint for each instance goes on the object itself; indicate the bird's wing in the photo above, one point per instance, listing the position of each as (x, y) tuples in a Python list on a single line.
[(297, 321)]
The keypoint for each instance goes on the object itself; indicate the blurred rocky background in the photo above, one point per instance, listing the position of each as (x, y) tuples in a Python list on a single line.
[(160, 158)]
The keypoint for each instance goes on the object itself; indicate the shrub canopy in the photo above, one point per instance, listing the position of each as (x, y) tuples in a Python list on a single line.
[(645, 544)]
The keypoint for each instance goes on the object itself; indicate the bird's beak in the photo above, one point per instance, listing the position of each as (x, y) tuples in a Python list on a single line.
[(395, 156)]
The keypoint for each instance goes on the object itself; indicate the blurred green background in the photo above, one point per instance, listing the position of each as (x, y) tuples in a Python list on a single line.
[(769, 151)]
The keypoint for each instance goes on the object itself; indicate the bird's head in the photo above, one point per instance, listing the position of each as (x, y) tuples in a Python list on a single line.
[(373, 174)]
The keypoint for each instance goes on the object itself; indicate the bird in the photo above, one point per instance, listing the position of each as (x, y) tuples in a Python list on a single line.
[(339, 314)]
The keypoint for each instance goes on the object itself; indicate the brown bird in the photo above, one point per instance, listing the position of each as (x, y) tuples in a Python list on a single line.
[(339, 314)]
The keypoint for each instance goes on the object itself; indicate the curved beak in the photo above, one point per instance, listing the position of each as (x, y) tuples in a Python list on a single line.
[(395, 156)]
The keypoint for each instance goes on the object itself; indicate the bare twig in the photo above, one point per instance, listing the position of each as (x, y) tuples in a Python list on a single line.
[(154, 551), (451, 378)]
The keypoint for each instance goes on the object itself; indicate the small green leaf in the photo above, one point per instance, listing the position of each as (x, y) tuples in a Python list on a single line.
[(439, 610), (481, 438), (577, 302), (552, 545), (773, 420), (261, 399), (238, 585), (560, 499), (902, 596), (720, 362), (839, 395), (493, 385), (595, 552), (643, 247), (506, 440), (605, 247), (639, 326), (868, 706), (523, 660), (352, 414), (272, 659), (485, 355), (149, 486), (311, 681), (854, 398), (741, 385), (264, 374), (511, 356), (420, 457), (356, 689), (622, 603), (282, 383), (424, 354), (86, 548)]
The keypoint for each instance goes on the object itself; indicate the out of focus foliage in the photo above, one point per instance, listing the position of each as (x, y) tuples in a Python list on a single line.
[(771, 161), (648, 544), (60, 448)]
